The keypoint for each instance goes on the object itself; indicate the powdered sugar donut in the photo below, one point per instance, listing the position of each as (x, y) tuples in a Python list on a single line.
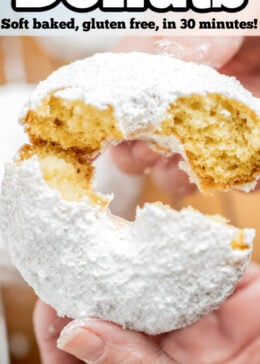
[(167, 268)]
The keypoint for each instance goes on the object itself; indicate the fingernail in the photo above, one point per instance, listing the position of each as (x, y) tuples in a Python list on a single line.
[(81, 342)]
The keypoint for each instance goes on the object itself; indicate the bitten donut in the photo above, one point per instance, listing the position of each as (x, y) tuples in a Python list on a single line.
[(210, 119), (167, 268)]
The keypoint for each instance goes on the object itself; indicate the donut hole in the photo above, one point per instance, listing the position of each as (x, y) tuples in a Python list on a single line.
[(221, 138)]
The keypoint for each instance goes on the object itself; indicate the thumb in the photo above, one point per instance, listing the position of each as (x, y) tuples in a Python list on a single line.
[(213, 51), (95, 341)]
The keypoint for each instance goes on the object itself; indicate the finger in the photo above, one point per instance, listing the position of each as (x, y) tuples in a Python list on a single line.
[(133, 157), (245, 65), (47, 327), (136, 157), (95, 341), (142, 152), (252, 273), (242, 309), (250, 354), (213, 51), (168, 176)]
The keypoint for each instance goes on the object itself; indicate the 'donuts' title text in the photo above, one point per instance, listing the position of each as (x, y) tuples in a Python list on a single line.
[(200, 6)]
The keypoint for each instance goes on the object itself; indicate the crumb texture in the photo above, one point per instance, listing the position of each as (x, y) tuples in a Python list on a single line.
[(72, 125), (210, 119), (221, 138)]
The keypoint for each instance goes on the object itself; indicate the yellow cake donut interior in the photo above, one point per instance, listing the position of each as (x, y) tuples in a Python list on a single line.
[(222, 156), (69, 173), (72, 125), (238, 242)]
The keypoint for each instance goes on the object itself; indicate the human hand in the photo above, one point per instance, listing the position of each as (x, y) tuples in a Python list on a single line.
[(219, 52), (230, 335)]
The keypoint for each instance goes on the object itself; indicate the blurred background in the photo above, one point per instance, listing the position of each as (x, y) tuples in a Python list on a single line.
[(24, 61)]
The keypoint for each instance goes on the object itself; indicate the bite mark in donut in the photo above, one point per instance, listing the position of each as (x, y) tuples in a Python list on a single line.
[(215, 125)]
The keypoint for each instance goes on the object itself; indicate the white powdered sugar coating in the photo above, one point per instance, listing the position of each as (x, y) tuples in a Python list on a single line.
[(12, 136), (139, 86), (161, 272)]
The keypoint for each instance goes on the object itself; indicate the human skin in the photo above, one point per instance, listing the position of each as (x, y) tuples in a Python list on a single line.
[(230, 335)]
